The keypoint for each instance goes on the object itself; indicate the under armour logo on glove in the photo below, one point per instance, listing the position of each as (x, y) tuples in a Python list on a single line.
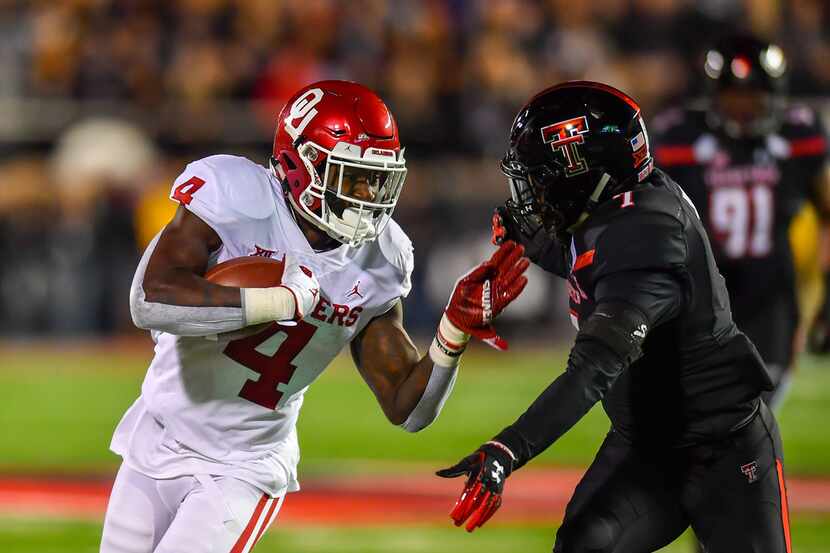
[(497, 472), (486, 469), (483, 293)]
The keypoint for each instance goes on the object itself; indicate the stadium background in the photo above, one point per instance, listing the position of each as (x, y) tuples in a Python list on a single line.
[(103, 102)]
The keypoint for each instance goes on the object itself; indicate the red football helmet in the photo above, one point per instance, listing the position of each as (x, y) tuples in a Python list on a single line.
[(337, 154)]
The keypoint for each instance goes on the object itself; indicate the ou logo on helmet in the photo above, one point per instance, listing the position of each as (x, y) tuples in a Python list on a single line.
[(302, 109), (564, 137)]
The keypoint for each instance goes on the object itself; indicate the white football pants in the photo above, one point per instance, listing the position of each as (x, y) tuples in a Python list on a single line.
[(189, 514)]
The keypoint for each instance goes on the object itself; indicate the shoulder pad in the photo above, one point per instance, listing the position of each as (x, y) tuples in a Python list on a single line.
[(676, 135), (647, 235), (803, 133), (396, 247), (666, 121), (225, 189), (801, 117), (677, 124)]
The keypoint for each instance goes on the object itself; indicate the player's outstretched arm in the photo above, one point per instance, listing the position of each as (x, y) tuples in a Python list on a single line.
[(629, 304), (411, 388), (394, 370), (170, 294)]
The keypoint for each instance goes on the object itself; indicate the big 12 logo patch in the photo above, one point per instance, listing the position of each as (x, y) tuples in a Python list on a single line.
[(564, 137)]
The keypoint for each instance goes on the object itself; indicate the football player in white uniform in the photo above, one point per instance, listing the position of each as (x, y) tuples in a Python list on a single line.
[(210, 448)]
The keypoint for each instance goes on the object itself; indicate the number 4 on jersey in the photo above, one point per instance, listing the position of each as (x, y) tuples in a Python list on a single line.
[(184, 192), (273, 370)]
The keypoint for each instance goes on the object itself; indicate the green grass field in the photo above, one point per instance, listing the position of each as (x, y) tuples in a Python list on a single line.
[(58, 410)]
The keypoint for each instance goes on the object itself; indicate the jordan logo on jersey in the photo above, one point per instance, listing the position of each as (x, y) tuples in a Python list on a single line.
[(355, 291), (262, 252)]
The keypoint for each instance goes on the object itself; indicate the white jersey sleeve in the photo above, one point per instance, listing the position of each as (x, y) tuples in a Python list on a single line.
[(226, 192)]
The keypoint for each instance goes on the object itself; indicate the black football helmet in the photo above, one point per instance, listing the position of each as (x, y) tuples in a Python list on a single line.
[(746, 82), (571, 147)]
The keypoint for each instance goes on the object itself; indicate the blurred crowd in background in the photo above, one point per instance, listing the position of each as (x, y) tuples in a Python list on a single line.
[(103, 102)]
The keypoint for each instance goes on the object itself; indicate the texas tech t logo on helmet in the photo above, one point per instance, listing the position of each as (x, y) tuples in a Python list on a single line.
[(564, 137)]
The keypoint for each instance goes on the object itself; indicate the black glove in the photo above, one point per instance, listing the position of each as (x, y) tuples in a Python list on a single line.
[(486, 468), (541, 248)]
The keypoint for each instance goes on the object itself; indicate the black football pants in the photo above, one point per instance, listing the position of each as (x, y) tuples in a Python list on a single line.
[(636, 500)]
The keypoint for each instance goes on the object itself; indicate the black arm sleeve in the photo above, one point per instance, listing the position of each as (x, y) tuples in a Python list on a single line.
[(629, 304)]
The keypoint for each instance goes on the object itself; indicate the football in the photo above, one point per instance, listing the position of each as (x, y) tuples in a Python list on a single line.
[(247, 272)]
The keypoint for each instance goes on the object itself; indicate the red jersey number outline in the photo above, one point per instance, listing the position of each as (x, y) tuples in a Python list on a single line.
[(273, 370)]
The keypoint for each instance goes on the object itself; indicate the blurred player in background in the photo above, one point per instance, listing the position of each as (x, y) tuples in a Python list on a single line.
[(750, 163), (691, 442), (210, 447)]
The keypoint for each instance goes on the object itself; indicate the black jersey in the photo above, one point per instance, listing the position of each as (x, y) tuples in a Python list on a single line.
[(656, 340), (747, 192), (698, 375)]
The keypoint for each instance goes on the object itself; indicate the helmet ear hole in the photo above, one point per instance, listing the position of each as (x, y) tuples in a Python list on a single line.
[(288, 162)]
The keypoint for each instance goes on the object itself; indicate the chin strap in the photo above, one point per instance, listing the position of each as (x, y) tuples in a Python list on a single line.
[(592, 202)]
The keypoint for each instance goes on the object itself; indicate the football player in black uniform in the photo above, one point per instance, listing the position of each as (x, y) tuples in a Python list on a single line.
[(691, 443), (749, 163)]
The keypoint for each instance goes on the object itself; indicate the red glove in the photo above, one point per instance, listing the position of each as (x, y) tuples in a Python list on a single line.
[(483, 293), (486, 469)]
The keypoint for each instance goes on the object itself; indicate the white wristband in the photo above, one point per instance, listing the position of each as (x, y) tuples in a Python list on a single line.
[(448, 345), (268, 304)]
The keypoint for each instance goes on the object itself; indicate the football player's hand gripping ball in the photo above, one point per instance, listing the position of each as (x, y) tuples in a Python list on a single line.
[(486, 469), (301, 282), (482, 294), (287, 303)]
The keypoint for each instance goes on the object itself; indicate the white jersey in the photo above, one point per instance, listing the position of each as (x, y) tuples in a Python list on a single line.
[(230, 408)]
